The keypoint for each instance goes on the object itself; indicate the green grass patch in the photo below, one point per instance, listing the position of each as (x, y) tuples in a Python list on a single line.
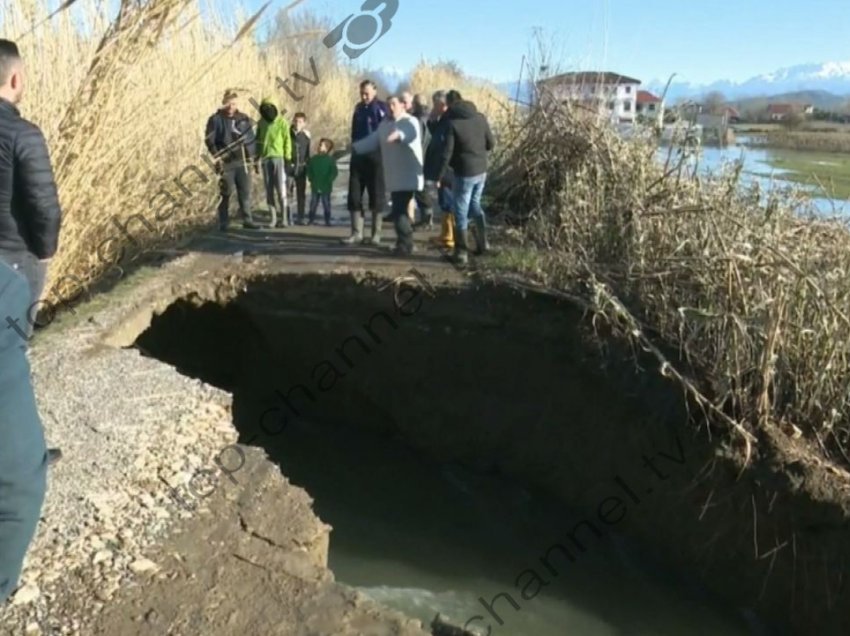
[(828, 172), (526, 260)]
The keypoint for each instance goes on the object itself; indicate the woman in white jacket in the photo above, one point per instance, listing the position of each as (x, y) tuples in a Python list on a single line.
[(399, 140)]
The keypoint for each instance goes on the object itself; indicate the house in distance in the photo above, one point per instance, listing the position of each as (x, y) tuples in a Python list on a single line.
[(610, 95)]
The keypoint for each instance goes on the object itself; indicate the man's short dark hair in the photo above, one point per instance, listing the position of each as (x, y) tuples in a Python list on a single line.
[(453, 96), (9, 57), (300, 116), (368, 82)]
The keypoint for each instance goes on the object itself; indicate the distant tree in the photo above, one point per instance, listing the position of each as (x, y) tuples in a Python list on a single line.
[(793, 120), (451, 67), (714, 102)]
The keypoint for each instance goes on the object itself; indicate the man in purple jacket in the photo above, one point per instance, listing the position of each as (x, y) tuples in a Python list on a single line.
[(366, 172)]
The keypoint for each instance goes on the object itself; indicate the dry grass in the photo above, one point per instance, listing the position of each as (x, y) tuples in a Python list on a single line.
[(754, 297), (124, 107), (810, 141), (429, 77)]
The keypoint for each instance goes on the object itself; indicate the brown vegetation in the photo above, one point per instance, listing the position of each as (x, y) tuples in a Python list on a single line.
[(752, 296), (124, 109), (804, 140)]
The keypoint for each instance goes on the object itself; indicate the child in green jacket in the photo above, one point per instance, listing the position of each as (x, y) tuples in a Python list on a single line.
[(321, 173), (274, 144)]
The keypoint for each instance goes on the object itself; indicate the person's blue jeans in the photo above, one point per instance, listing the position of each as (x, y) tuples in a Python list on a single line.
[(325, 199), (467, 195), (23, 456), (35, 273), (445, 199)]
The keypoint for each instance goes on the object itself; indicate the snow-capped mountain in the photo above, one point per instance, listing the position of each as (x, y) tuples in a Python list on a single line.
[(833, 77)]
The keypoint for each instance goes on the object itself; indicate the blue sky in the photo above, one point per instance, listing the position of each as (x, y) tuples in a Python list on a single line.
[(648, 39)]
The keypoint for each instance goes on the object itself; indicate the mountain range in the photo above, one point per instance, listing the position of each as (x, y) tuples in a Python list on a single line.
[(826, 85), (820, 80)]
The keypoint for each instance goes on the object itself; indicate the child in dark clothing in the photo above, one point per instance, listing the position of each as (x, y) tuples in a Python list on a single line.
[(321, 173), (297, 170)]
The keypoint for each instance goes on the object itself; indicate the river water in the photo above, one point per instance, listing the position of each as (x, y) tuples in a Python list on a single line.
[(757, 168), (424, 537)]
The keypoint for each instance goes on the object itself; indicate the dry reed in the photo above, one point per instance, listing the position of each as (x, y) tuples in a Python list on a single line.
[(429, 77), (753, 296), (806, 141), (123, 104)]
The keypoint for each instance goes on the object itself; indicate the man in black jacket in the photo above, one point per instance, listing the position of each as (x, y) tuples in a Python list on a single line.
[(231, 141), (301, 140), (30, 216), (468, 144), (366, 172), (23, 460)]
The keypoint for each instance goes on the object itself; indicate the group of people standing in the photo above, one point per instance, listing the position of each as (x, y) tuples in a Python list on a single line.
[(401, 148), (419, 157), (283, 151)]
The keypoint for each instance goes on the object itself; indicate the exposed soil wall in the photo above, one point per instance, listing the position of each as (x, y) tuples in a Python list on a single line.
[(514, 383)]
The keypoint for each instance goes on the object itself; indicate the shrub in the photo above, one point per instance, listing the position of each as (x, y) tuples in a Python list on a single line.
[(753, 296)]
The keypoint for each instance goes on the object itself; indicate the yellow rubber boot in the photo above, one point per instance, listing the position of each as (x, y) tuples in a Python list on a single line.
[(448, 234), (446, 238)]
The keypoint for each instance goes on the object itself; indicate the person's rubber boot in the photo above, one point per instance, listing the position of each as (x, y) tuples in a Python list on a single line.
[(53, 455), (377, 221), (482, 245), (461, 253), (446, 237), (273, 217), (426, 222), (356, 230)]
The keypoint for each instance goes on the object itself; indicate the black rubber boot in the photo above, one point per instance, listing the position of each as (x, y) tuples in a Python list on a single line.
[(482, 245), (461, 255)]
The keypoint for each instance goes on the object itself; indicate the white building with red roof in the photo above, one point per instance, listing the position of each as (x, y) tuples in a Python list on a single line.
[(611, 94), (649, 107)]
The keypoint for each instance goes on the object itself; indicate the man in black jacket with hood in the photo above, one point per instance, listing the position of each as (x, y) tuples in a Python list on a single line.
[(467, 146)]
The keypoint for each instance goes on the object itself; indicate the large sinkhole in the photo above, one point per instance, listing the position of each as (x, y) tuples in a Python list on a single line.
[(462, 443)]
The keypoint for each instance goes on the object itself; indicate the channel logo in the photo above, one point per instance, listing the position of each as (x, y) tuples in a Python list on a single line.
[(361, 30)]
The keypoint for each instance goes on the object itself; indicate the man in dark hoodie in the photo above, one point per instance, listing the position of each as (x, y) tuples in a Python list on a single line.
[(301, 140), (231, 141), (366, 173), (468, 143)]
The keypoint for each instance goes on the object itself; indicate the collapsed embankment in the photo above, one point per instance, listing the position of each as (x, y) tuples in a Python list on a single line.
[(516, 382)]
